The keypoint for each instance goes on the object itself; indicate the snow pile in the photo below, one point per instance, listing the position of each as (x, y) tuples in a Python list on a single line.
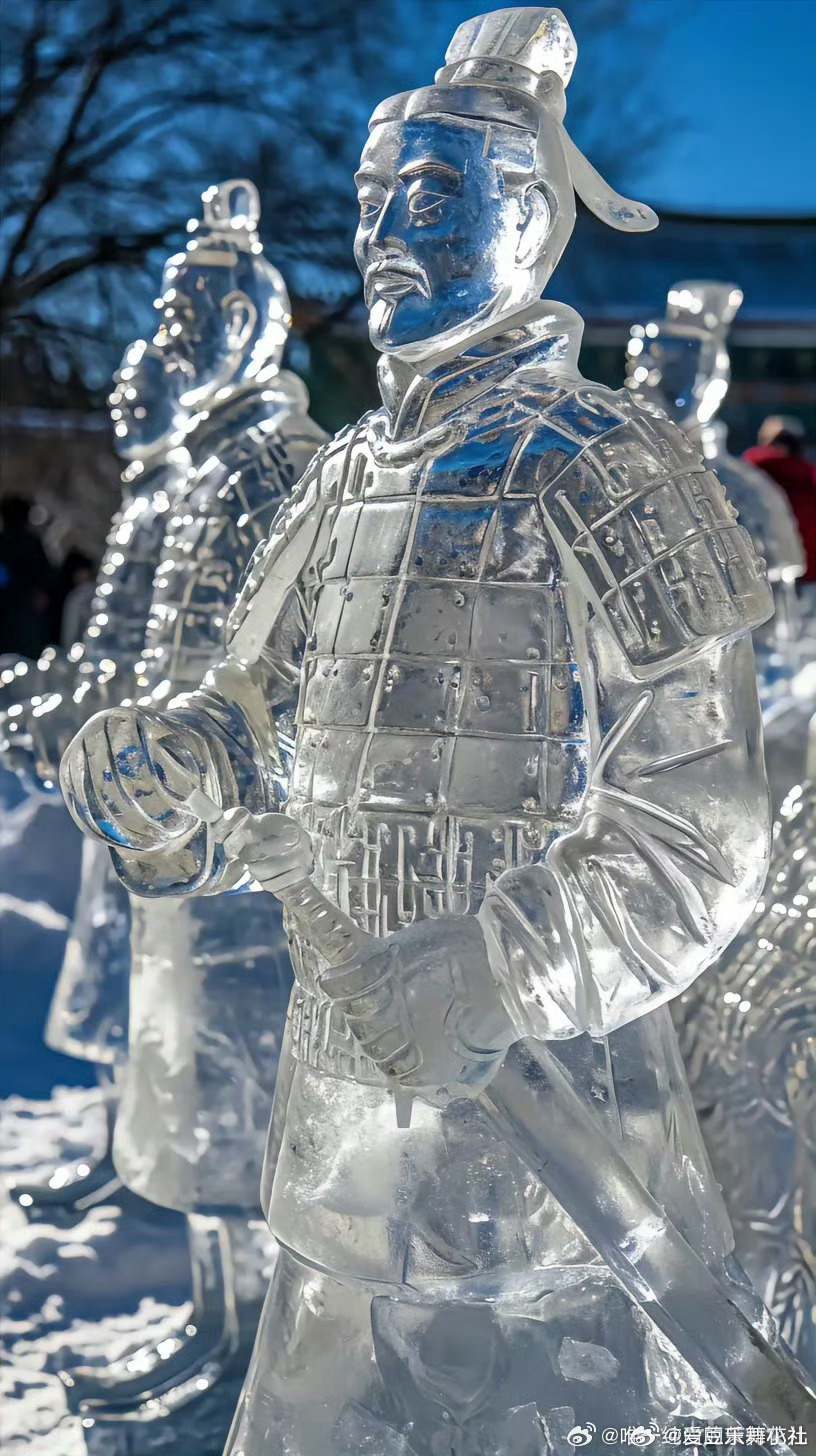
[(73, 1288)]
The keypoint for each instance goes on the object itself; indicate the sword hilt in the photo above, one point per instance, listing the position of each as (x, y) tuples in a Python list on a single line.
[(332, 933), (329, 930)]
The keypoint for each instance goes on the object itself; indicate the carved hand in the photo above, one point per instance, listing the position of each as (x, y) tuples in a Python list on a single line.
[(127, 774), (424, 1006), (275, 850)]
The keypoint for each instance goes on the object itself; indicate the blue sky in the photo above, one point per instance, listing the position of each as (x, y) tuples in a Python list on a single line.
[(738, 75), (743, 75)]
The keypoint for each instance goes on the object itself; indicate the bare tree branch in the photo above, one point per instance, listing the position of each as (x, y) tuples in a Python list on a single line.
[(49, 186), (115, 114), (107, 249)]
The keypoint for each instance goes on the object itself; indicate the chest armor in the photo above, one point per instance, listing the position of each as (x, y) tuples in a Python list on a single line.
[(225, 508), (121, 603), (441, 728)]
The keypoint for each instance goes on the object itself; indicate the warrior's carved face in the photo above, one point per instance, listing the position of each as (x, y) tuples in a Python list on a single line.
[(207, 320), (143, 401), (192, 315), (439, 242)]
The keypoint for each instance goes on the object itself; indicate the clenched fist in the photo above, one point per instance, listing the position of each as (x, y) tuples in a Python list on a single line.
[(127, 775)]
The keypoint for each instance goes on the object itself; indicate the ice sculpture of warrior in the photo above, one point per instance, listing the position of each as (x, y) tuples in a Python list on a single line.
[(528, 783), (210, 978), (748, 1032), (88, 1017), (681, 363)]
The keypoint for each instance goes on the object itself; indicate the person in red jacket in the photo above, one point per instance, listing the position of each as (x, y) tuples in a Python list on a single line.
[(779, 453)]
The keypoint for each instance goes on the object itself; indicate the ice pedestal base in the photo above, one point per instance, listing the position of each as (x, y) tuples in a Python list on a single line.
[(80, 1182), (231, 1260), (342, 1371)]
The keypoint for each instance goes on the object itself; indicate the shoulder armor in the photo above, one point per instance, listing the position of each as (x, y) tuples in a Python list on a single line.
[(650, 530)]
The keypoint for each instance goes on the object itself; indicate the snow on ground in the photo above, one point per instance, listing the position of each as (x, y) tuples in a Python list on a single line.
[(35, 1136), (72, 1287)]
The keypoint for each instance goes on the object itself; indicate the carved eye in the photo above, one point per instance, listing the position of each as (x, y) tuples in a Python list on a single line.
[(425, 206), (371, 200)]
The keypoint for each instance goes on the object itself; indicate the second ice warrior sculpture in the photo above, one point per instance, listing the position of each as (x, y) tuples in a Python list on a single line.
[(185, 1136), (528, 781), (210, 978), (748, 1032), (681, 363), (88, 1016)]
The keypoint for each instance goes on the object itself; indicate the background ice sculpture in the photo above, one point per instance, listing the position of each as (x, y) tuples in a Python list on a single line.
[(527, 762), (748, 1032), (681, 364), (46, 702), (210, 978)]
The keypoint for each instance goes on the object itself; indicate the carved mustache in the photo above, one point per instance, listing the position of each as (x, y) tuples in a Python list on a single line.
[(394, 276)]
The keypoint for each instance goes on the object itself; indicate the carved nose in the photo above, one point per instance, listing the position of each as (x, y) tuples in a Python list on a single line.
[(387, 219)]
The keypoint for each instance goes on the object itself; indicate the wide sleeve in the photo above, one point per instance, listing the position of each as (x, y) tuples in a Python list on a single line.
[(671, 849), (668, 858)]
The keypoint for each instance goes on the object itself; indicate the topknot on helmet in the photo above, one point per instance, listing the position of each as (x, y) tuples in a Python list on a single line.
[(232, 211), (538, 39)]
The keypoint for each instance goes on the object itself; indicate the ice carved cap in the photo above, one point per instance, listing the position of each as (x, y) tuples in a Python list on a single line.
[(232, 211), (528, 52), (539, 40)]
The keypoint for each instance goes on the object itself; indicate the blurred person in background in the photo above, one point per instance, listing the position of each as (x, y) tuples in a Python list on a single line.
[(779, 451), (79, 583), (27, 582)]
